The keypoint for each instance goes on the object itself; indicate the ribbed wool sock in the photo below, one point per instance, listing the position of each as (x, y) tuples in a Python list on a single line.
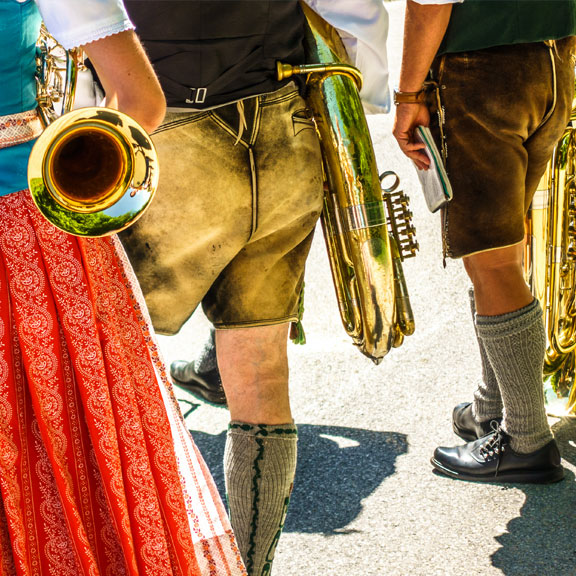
[(206, 361), (487, 402), (515, 344), (259, 466)]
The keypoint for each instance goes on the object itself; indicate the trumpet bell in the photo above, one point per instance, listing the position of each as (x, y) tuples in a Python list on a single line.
[(93, 172)]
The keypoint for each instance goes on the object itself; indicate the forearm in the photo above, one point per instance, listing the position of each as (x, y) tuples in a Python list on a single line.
[(128, 78), (424, 28)]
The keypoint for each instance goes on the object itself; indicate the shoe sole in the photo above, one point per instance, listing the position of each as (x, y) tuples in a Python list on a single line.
[(200, 389), (528, 477)]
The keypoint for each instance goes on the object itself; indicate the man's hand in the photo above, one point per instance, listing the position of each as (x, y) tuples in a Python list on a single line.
[(424, 28), (408, 116)]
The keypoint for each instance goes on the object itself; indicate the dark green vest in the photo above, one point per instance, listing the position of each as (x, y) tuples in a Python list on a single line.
[(477, 24)]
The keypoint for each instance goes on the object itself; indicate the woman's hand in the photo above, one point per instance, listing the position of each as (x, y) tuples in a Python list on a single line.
[(128, 78)]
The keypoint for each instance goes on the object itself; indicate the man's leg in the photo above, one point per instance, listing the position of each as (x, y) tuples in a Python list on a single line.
[(260, 456), (510, 326), (490, 276), (472, 420), (487, 400), (201, 376)]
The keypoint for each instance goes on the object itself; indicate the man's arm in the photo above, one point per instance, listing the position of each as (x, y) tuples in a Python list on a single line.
[(424, 28)]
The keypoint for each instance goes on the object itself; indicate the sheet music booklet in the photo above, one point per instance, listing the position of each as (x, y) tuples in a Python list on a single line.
[(434, 181)]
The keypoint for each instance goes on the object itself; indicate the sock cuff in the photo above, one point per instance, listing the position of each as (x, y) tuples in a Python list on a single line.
[(510, 323), (284, 431)]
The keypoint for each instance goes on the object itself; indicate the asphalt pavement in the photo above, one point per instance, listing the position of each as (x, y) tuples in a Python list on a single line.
[(366, 502)]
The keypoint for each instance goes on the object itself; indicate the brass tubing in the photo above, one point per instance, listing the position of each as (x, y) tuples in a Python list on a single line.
[(287, 70), (367, 274)]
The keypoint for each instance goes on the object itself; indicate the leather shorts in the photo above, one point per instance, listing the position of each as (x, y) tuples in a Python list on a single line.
[(499, 113), (231, 225)]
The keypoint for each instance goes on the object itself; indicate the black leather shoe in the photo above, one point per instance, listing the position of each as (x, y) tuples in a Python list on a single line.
[(206, 385), (490, 459), (466, 427)]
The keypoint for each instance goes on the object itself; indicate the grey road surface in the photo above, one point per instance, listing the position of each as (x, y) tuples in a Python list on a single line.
[(366, 502)]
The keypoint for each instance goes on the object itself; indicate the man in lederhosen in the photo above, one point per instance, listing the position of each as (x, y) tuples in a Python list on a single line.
[(502, 79)]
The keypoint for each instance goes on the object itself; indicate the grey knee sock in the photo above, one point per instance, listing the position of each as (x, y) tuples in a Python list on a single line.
[(206, 361), (515, 344), (487, 399), (259, 465)]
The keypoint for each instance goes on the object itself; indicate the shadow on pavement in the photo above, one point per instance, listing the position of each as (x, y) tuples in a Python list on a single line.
[(542, 541), (337, 468)]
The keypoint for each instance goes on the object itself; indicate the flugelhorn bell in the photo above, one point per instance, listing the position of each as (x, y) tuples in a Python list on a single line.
[(93, 171)]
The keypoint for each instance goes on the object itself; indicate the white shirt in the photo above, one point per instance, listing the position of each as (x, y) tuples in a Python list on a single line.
[(363, 26), (438, 1), (77, 22)]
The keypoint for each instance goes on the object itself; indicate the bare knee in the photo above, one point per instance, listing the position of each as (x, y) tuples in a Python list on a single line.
[(500, 261), (253, 365), (498, 279)]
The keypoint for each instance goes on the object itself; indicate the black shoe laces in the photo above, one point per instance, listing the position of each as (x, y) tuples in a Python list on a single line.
[(495, 445)]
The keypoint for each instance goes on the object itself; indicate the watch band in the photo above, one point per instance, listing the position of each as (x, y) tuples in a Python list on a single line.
[(408, 97)]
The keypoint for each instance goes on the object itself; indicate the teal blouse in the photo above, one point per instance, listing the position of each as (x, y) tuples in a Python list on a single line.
[(19, 28)]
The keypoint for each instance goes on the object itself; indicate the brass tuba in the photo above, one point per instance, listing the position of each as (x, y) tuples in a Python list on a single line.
[(550, 269), (93, 170), (367, 229)]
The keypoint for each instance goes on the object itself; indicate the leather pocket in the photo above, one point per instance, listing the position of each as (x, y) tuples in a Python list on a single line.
[(302, 120)]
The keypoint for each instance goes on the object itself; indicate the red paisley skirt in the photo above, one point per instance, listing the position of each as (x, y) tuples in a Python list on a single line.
[(98, 474)]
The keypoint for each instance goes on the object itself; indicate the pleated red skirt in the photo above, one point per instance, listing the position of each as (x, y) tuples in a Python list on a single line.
[(98, 474)]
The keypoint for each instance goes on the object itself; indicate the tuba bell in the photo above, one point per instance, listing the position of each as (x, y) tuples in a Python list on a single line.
[(94, 170), (367, 229), (550, 269)]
